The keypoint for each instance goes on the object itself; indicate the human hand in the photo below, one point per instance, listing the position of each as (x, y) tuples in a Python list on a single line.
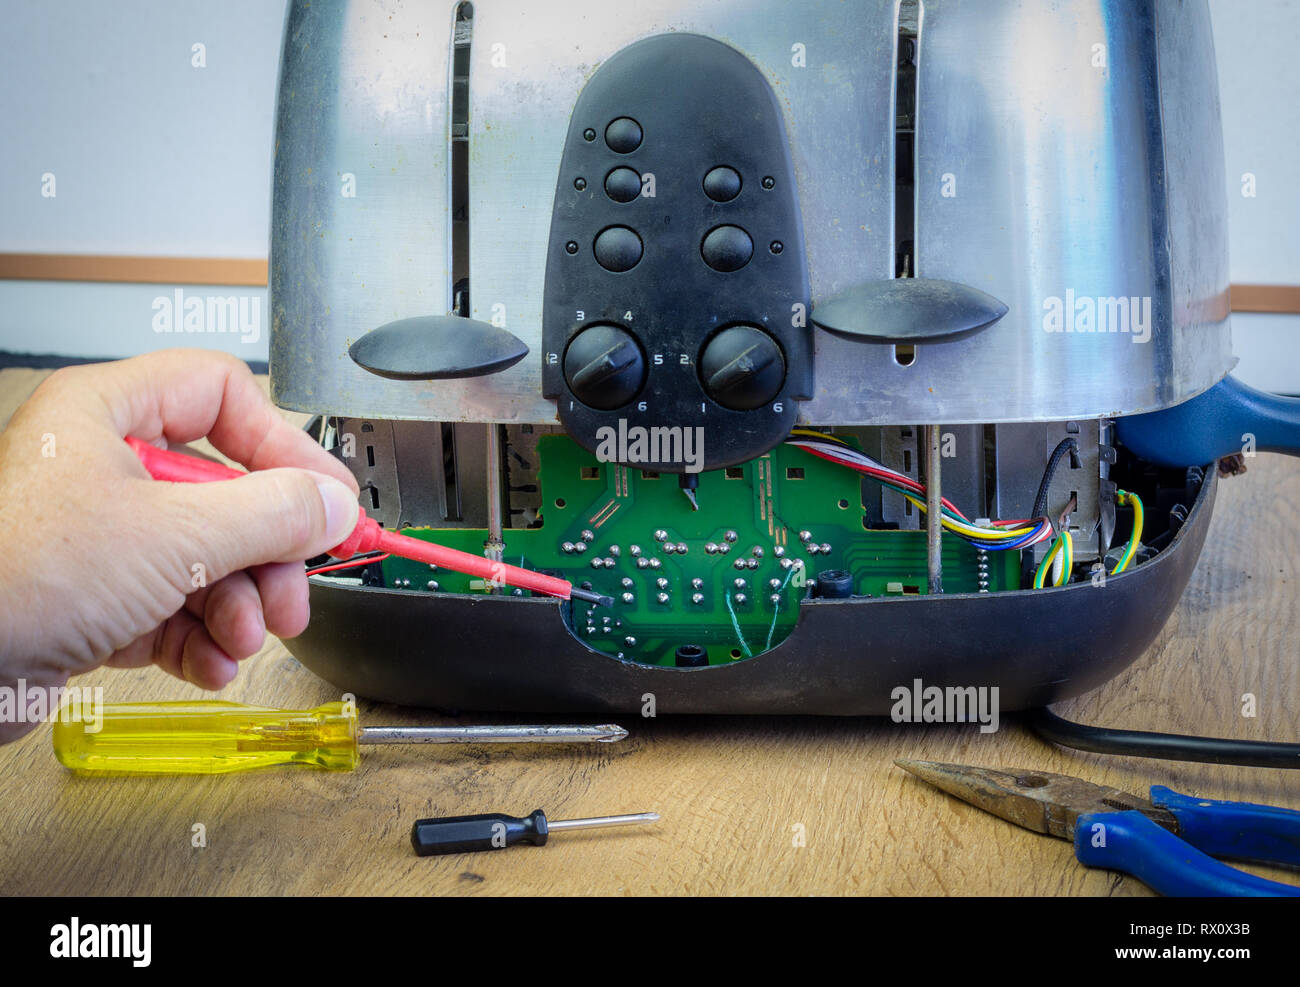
[(106, 566)]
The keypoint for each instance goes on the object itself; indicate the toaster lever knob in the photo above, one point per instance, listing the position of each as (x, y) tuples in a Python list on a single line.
[(742, 368), (437, 347), (908, 310), (604, 367)]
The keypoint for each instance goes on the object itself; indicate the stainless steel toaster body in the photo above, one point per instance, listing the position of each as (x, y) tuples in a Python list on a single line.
[(1068, 161)]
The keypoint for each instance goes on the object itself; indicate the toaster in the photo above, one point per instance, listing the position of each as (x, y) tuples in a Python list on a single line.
[(843, 345)]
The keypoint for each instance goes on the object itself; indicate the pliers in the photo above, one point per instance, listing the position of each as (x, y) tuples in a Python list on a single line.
[(1167, 842)]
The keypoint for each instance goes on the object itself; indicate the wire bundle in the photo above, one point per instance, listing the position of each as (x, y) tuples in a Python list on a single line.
[(1001, 536)]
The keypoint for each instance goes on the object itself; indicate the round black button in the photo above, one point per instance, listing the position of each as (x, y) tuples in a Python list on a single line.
[(623, 135), (742, 368), (722, 184), (604, 366), (617, 249), (623, 184), (727, 248)]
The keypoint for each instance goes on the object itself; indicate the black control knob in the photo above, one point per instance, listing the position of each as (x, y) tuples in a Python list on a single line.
[(742, 368), (604, 366)]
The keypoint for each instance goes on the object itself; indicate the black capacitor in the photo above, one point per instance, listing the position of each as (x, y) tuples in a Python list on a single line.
[(691, 656), (834, 584)]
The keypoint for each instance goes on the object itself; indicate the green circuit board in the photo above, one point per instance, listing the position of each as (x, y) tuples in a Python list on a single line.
[(727, 577)]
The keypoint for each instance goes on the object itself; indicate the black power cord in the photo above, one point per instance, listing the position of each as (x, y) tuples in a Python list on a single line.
[(1070, 445), (1169, 746)]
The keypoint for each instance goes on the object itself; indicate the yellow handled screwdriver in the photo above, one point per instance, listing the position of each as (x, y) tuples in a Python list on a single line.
[(218, 737)]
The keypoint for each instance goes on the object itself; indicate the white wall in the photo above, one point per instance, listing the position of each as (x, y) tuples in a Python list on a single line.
[(1258, 47), (154, 156), (150, 155)]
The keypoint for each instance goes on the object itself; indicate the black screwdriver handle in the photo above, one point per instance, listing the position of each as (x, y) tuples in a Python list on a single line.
[(470, 834)]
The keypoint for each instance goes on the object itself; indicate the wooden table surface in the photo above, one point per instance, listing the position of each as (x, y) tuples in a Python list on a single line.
[(734, 793)]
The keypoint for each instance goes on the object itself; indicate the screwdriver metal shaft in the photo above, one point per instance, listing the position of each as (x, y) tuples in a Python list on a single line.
[(604, 734), (596, 822)]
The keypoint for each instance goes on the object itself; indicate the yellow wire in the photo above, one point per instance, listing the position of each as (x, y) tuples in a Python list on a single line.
[(817, 435)]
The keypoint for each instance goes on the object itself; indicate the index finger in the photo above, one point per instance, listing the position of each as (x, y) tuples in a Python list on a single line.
[(187, 394)]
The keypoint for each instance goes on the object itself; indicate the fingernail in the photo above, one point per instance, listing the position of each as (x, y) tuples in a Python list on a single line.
[(340, 510)]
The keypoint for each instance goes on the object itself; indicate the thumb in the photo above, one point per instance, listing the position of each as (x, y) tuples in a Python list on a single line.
[(277, 515)]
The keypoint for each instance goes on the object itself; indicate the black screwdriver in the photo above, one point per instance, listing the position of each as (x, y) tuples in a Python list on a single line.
[(496, 831)]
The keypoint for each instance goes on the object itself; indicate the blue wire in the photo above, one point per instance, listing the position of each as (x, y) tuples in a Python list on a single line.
[(1006, 546)]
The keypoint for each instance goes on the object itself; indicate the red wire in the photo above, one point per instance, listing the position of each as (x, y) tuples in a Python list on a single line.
[(349, 564)]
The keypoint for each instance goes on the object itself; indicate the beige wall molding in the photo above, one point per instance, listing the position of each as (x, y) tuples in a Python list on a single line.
[(242, 272), (251, 272)]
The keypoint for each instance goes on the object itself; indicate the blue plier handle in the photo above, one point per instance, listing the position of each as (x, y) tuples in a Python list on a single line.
[(1184, 865), (1168, 842)]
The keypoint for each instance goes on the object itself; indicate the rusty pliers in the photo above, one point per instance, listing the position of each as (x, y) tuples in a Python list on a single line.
[(1167, 842)]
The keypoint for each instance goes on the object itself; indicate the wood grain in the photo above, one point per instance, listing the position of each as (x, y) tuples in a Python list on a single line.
[(730, 789)]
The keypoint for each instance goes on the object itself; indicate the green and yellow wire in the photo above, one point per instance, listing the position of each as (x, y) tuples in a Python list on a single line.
[(1123, 497), (1063, 546)]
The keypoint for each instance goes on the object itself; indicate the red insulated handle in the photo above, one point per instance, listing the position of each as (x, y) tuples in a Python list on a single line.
[(178, 468), (367, 536)]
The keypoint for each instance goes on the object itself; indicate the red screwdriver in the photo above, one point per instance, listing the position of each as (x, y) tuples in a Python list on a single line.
[(369, 536)]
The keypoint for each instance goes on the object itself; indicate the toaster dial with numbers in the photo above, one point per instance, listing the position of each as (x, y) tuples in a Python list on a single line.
[(676, 282)]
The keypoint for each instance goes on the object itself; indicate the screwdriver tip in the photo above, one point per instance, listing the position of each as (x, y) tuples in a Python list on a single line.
[(612, 733)]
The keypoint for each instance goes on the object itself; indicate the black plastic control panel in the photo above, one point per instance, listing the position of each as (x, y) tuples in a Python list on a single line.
[(676, 282)]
